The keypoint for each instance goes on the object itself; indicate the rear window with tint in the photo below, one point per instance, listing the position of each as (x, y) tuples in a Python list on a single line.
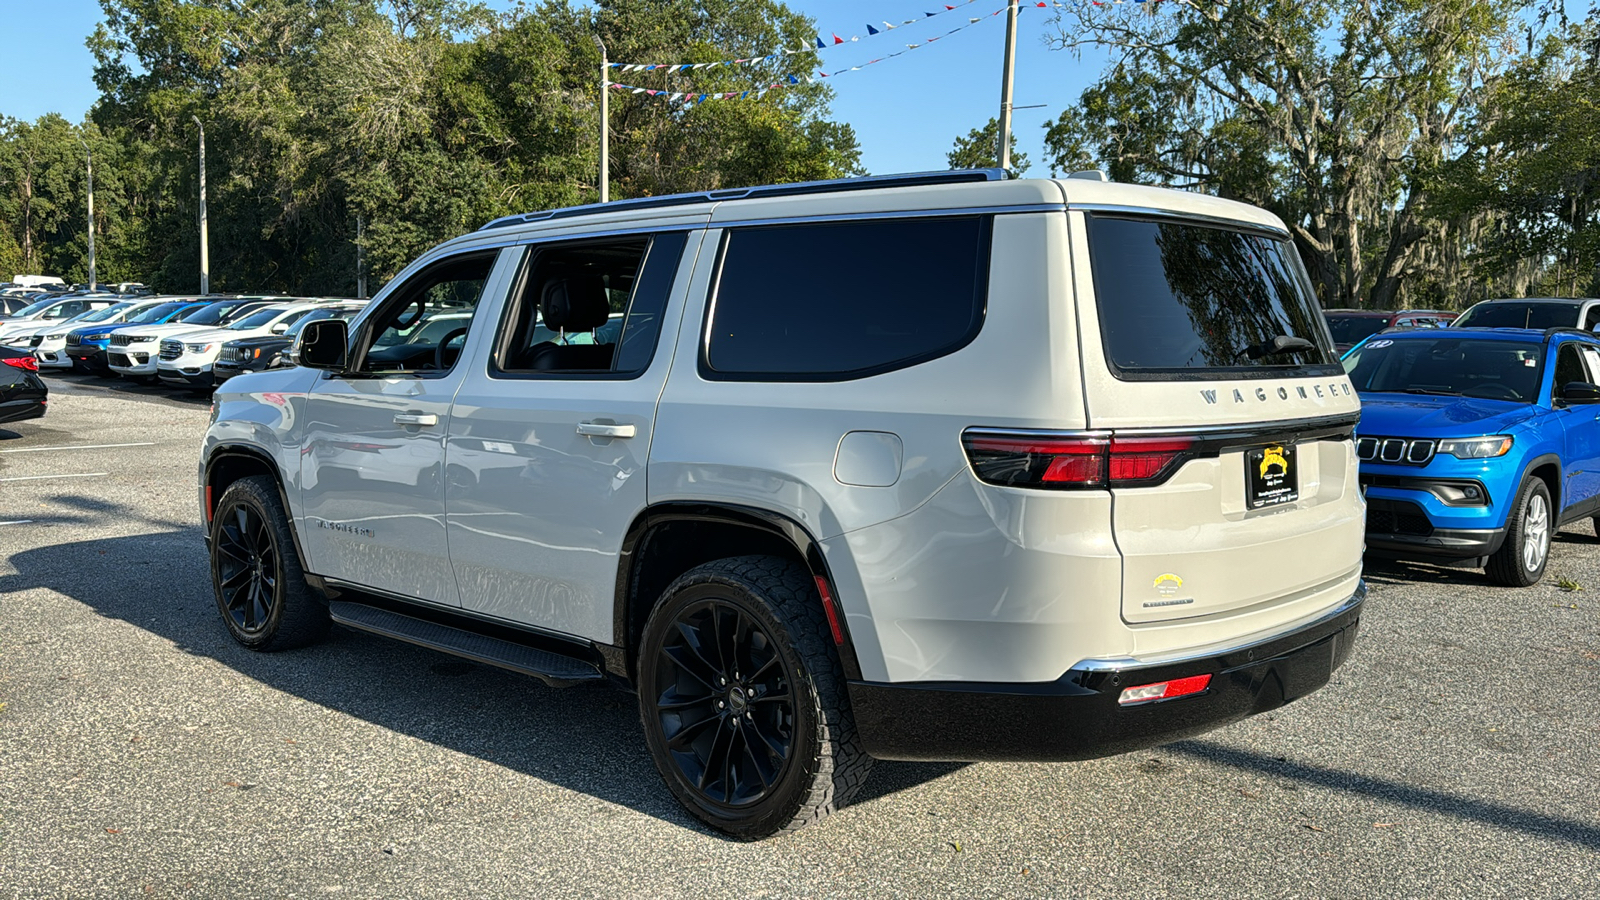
[(1521, 315), (831, 301), (1182, 299)]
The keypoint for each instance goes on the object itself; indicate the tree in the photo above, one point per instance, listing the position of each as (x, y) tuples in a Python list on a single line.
[(978, 150), (1337, 117)]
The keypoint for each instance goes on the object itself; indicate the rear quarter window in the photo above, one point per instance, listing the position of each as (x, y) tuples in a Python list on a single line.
[(1184, 300), (835, 301)]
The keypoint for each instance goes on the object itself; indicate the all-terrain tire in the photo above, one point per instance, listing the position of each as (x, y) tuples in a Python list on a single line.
[(738, 657), (260, 587)]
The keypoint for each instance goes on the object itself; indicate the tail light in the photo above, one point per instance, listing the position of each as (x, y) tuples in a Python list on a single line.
[(1075, 461), (22, 362)]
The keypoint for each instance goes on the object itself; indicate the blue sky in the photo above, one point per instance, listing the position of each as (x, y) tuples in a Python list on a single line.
[(906, 111)]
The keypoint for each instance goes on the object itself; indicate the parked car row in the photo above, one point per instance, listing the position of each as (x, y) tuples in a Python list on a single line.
[(174, 339)]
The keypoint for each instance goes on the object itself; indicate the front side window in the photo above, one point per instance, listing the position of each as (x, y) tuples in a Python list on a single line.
[(1184, 299), (589, 308), (422, 326), (835, 301), (1449, 366), (1353, 329)]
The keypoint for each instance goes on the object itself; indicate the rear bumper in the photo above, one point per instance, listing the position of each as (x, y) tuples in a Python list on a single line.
[(1078, 717)]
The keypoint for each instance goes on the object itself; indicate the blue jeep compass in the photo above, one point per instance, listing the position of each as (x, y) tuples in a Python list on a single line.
[(1477, 445)]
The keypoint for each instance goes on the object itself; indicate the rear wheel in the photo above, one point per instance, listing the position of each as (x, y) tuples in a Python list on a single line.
[(260, 588), (1520, 561), (743, 699)]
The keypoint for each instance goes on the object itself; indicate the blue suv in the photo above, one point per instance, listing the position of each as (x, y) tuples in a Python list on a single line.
[(1477, 445)]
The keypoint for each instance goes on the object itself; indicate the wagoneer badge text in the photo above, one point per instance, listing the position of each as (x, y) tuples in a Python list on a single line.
[(1262, 394), (347, 529)]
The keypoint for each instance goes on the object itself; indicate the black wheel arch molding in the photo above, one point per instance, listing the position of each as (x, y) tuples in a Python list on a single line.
[(650, 525), (218, 455), (1558, 493)]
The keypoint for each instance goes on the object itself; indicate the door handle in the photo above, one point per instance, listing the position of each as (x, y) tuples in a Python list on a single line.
[(416, 419), (606, 430)]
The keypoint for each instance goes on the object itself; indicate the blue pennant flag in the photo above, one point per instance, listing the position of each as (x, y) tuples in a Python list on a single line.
[(821, 45), (793, 80), (870, 29)]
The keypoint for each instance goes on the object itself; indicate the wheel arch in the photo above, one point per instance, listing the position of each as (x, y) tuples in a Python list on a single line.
[(228, 463), (668, 539), (1547, 468)]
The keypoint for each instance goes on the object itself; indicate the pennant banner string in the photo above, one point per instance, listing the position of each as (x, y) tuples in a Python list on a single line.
[(791, 80), (824, 44)]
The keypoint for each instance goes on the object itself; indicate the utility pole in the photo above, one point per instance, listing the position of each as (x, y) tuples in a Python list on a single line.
[(605, 122), (1006, 78), (88, 158), (361, 262), (205, 247)]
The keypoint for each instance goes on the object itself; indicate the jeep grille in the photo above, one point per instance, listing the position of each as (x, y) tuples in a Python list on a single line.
[(1395, 451)]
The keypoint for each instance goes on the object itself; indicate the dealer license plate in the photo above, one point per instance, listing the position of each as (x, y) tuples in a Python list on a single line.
[(1271, 476)]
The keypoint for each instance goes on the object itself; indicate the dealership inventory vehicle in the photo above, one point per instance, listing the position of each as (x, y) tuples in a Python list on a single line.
[(185, 360), (1477, 445), (135, 352), (1350, 326), (1036, 469), (253, 354), (1533, 312), (92, 347), (23, 395), (53, 309)]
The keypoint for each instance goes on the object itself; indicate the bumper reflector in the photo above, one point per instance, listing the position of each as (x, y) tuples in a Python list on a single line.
[(1165, 690)]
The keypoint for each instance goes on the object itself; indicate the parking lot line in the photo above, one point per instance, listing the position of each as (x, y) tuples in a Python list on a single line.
[(17, 522), (79, 447), (40, 477)]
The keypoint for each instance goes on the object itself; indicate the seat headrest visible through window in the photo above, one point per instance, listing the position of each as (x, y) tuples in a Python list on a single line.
[(577, 303)]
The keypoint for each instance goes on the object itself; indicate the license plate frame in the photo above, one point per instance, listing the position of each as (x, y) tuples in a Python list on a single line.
[(1271, 476)]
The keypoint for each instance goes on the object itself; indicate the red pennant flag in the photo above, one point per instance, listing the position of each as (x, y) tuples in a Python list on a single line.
[(837, 39)]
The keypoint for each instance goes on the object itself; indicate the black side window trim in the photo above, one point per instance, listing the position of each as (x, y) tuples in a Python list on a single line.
[(985, 252), (1230, 373), (506, 329)]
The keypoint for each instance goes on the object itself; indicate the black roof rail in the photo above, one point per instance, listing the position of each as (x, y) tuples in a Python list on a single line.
[(1565, 329), (863, 183)]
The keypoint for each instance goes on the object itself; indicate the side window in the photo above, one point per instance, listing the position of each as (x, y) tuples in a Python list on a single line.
[(422, 326), (589, 307), (835, 301), (1591, 322), (1591, 357), (1569, 367)]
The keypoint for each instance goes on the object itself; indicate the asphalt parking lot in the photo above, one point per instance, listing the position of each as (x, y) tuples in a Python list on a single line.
[(143, 753)]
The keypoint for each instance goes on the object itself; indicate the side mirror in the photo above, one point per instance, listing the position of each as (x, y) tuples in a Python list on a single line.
[(1579, 392), (323, 344), (280, 328)]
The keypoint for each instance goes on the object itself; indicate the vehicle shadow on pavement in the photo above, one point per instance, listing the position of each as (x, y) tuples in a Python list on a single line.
[(585, 738), (1384, 790)]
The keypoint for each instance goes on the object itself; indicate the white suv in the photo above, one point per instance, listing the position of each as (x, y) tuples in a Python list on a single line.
[(942, 467), (136, 352), (185, 359)]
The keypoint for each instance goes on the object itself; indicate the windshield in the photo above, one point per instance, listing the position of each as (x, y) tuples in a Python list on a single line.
[(239, 312), (1520, 315), (1178, 298), (155, 313), (100, 315), (258, 319), (209, 315), (1351, 329), (36, 306), (1466, 367)]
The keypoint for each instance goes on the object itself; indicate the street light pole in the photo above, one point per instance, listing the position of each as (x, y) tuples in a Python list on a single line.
[(88, 158), (605, 122), (205, 248), (1004, 154)]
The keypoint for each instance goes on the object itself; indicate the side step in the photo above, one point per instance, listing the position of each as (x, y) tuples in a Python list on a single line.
[(553, 669)]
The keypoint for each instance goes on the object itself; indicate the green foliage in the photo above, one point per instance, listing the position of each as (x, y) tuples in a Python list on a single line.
[(422, 119), (977, 150)]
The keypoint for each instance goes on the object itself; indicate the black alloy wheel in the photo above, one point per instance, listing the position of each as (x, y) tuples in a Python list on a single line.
[(255, 571), (726, 709), (742, 698)]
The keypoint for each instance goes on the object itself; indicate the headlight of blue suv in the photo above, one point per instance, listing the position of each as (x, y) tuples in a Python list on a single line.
[(1477, 448), (97, 337)]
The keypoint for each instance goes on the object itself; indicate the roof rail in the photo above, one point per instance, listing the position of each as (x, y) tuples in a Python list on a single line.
[(1564, 329), (864, 183)]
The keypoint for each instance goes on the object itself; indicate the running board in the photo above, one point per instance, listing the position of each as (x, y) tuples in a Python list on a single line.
[(552, 668)]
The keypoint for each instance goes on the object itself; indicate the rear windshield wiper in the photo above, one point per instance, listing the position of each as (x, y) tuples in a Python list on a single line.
[(1276, 345)]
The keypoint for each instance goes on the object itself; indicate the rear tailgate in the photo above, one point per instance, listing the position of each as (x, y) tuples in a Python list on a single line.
[(1184, 336)]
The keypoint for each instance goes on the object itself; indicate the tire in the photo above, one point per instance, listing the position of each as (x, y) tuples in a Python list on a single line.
[(794, 756), (1520, 561), (260, 588)]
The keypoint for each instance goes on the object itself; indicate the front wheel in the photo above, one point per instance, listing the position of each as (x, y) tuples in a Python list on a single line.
[(1520, 561), (255, 571), (743, 701)]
